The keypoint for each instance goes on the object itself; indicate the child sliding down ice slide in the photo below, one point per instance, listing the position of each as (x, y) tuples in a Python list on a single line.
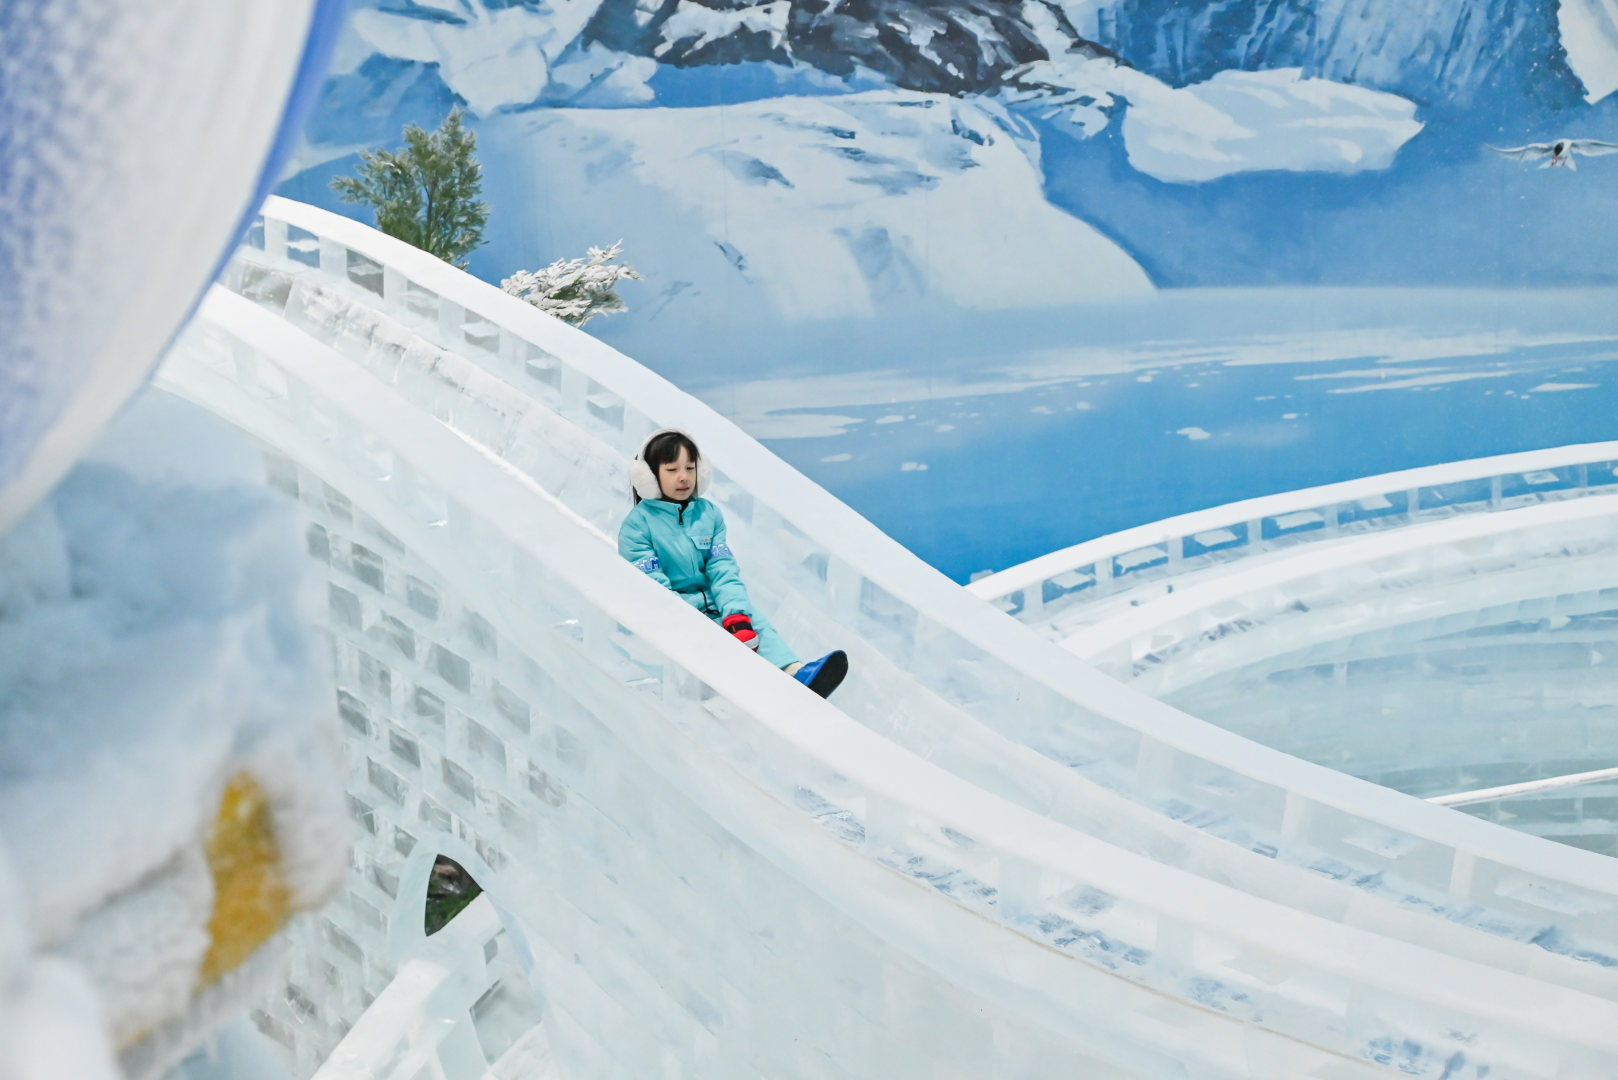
[(677, 538)]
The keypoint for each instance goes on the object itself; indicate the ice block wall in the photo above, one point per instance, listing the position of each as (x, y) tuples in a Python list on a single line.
[(988, 856)]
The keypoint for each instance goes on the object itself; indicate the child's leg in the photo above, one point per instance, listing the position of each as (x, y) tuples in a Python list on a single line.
[(770, 645)]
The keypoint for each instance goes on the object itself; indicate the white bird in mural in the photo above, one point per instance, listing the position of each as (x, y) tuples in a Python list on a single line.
[(1559, 152)]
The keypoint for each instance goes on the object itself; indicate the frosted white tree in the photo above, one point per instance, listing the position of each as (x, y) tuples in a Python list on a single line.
[(575, 290)]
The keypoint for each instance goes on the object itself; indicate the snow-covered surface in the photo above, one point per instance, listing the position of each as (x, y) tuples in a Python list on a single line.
[(237, 1052), (52, 1025), (134, 136), (154, 641), (806, 209), (694, 25), (1234, 122), (50, 1017), (490, 56), (1589, 31)]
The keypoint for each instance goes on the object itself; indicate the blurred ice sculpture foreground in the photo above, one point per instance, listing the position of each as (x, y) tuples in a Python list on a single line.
[(168, 761), (986, 860), (137, 136)]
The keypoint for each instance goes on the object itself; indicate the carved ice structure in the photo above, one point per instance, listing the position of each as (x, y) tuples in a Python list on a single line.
[(155, 650), (1439, 630), (986, 858)]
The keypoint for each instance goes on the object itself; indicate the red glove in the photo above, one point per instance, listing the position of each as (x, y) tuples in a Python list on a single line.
[(742, 627)]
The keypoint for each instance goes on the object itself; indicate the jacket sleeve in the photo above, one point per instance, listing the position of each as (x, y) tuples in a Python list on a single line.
[(635, 544), (724, 577)]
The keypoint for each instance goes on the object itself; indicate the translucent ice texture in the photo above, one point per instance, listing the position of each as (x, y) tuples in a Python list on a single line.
[(135, 136), (982, 851)]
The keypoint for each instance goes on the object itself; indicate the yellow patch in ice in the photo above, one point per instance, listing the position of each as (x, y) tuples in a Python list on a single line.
[(251, 897)]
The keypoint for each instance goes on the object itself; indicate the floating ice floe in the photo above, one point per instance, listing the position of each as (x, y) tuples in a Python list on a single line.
[(490, 56)]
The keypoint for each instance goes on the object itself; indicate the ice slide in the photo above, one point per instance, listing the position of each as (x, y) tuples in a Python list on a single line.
[(984, 860), (1439, 630)]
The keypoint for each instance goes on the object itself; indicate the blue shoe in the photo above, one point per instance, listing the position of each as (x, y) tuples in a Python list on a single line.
[(824, 675)]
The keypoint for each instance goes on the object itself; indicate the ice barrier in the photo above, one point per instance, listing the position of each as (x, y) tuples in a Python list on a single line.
[(1065, 590), (1407, 628), (521, 410)]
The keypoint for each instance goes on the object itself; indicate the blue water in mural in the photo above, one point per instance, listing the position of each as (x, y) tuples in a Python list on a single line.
[(1191, 400)]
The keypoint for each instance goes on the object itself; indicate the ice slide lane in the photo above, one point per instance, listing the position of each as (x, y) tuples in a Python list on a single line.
[(576, 448), (741, 871), (935, 672)]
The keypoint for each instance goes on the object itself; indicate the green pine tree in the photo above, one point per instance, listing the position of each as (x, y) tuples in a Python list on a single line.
[(426, 192)]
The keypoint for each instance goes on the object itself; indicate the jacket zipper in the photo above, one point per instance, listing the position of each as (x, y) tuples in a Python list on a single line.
[(707, 602)]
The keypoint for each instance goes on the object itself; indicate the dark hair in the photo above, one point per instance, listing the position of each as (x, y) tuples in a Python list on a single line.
[(665, 448)]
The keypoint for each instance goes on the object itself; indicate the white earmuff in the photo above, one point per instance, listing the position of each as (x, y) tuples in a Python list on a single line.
[(645, 483), (642, 480)]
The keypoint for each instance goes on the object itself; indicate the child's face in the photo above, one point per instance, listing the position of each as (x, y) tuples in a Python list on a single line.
[(678, 478)]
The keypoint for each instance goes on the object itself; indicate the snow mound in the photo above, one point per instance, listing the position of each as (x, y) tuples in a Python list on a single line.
[(798, 209), (1589, 32), (155, 641)]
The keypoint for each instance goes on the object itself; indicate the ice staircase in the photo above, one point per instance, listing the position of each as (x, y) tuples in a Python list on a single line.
[(984, 859)]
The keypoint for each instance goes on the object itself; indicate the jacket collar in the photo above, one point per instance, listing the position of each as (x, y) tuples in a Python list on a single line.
[(664, 506)]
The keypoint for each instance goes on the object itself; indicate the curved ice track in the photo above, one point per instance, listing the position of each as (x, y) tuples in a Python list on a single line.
[(1439, 630), (987, 861)]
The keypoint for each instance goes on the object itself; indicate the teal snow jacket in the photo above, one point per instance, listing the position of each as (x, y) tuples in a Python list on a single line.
[(682, 546)]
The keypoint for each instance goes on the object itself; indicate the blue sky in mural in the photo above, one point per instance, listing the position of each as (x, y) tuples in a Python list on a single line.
[(1007, 276)]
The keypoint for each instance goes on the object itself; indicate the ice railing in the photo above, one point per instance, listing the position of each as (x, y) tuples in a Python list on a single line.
[(1057, 585), (934, 668), (1305, 650), (719, 874), (1420, 581)]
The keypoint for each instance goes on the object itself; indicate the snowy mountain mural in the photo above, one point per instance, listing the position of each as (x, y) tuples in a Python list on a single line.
[(882, 232)]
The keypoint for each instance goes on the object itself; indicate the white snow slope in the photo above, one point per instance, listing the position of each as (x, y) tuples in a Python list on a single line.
[(1589, 30), (493, 57), (801, 209), (154, 641)]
